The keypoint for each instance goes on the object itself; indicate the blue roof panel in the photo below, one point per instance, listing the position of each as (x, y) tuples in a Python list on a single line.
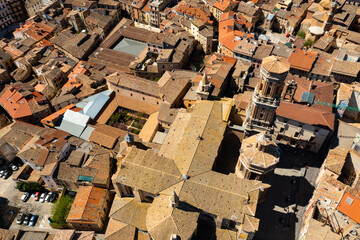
[(308, 97)]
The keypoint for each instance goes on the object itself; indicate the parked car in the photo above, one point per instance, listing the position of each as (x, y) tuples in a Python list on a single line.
[(37, 196), (6, 174), (27, 218), (47, 198), (33, 220), (42, 197), (2, 172), (53, 197), (20, 218), (25, 197), (13, 167)]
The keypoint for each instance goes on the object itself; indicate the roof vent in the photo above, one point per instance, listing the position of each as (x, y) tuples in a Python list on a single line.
[(173, 237), (349, 200), (185, 177)]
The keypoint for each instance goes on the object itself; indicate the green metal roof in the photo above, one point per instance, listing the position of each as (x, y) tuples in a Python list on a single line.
[(129, 46), (308, 97), (85, 178)]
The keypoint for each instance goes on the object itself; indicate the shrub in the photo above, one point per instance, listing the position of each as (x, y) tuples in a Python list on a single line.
[(135, 131), (308, 43), (122, 126), (28, 187), (301, 34), (114, 118), (60, 211), (140, 114)]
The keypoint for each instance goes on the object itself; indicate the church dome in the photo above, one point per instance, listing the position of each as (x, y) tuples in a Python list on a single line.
[(274, 64)]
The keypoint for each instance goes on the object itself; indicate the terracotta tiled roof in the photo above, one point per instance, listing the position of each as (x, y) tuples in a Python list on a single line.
[(134, 83), (163, 220), (262, 159), (130, 211), (227, 30), (64, 234), (119, 230), (42, 157), (177, 82), (302, 60), (350, 206), (247, 9), (276, 64), (335, 159), (198, 13), (15, 103), (222, 5), (346, 68), (323, 64), (263, 51), (225, 234), (35, 30), (139, 165), (50, 120), (88, 205), (106, 136), (305, 114)]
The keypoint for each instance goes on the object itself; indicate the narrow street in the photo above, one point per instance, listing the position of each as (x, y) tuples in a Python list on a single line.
[(291, 187)]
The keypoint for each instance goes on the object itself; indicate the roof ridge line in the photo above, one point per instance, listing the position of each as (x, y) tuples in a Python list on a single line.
[(136, 164), (202, 133), (218, 187), (87, 200)]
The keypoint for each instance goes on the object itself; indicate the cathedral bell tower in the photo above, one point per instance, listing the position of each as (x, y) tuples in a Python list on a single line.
[(262, 107)]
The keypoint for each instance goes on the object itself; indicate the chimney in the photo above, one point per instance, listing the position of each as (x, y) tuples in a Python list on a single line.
[(311, 85)]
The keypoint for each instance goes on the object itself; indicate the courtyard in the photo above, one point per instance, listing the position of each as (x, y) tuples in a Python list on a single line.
[(127, 120)]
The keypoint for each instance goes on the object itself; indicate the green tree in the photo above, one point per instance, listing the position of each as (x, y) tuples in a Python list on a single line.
[(308, 43), (60, 211), (27, 187), (301, 34)]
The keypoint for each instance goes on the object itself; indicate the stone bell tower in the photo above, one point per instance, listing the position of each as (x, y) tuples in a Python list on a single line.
[(262, 107)]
